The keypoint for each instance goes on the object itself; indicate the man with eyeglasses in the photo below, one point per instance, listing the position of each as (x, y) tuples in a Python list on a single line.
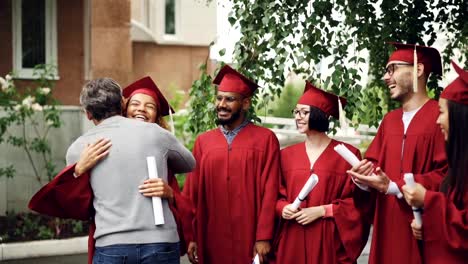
[(235, 183), (408, 141)]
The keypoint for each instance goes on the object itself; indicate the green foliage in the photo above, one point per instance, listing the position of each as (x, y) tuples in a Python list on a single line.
[(201, 115), (287, 101), (278, 37), (31, 110), (30, 226)]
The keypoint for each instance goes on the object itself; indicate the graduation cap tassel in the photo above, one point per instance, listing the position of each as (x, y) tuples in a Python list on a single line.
[(341, 114), (171, 121), (415, 70)]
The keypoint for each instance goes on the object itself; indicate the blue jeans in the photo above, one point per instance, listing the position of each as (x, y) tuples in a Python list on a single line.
[(155, 253)]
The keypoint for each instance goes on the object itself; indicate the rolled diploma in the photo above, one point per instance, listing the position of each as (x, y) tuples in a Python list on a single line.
[(308, 186), (347, 155), (157, 202), (256, 260), (409, 180)]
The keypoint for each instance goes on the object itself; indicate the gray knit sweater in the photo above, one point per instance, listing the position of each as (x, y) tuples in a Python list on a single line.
[(123, 215)]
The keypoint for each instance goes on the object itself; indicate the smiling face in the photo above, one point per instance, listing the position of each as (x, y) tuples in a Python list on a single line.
[(142, 107), (229, 107), (443, 119), (399, 78), (301, 115)]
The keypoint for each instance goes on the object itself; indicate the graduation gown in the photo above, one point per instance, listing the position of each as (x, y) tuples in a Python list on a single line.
[(234, 189), (338, 239), (445, 229), (69, 197), (420, 151)]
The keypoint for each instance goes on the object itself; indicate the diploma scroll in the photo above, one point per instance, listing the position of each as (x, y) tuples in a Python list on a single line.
[(308, 186), (347, 155), (256, 260), (409, 180), (157, 202)]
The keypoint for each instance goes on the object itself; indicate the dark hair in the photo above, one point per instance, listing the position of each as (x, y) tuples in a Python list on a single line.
[(457, 152), (318, 120), (102, 98)]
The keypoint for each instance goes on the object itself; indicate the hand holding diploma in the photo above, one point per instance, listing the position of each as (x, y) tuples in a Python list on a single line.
[(256, 260), (157, 202), (352, 160), (409, 180), (260, 251), (363, 176), (306, 189)]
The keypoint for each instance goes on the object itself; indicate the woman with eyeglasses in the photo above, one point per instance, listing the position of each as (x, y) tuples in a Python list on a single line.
[(326, 228), (444, 228)]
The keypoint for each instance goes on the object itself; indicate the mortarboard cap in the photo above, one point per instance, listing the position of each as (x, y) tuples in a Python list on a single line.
[(325, 101), (457, 91), (428, 56), (229, 80), (147, 86)]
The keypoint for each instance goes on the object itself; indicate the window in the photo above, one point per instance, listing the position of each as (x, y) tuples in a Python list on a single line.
[(34, 35), (170, 17)]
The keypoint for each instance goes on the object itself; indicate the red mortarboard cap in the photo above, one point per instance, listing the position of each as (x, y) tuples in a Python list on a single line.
[(428, 56), (229, 80), (146, 86), (457, 90), (325, 101)]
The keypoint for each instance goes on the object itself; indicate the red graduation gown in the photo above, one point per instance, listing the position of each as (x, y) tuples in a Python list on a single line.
[(69, 197), (445, 229), (326, 240), (422, 152), (234, 189)]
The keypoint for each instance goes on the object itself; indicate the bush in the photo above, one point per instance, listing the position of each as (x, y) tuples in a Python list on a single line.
[(30, 226)]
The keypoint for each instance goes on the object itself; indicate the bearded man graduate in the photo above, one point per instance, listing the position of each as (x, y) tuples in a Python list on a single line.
[(408, 141), (235, 183)]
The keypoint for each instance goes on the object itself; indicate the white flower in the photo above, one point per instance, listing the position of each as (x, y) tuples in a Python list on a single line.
[(8, 77), (3, 84), (36, 107), (28, 101), (17, 107), (44, 90), (50, 122)]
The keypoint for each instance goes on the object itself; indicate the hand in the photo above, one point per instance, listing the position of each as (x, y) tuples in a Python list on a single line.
[(378, 180), (192, 252), (288, 212), (417, 230), (156, 188), (364, 167), (91, 155), (414, 196), (308, 215), (262, 248)]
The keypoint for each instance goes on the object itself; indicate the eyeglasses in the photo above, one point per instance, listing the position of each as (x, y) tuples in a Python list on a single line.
[(228, 99), (302, 113), (391, 68)]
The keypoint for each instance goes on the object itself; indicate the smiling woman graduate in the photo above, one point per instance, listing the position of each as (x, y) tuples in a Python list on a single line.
[(445, 216), (328, 228)]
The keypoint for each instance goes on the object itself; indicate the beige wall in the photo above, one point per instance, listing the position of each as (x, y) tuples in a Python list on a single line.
[(70, 40), (195, 22), (111, 47), (169, 66), (111, 52)]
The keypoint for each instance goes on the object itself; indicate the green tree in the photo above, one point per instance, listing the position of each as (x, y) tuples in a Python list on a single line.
[(278, 37)]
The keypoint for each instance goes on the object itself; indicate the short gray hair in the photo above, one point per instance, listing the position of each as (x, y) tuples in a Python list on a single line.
[(102, 98)]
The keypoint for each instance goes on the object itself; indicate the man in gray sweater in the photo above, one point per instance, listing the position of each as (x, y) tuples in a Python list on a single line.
[(125, 229)]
